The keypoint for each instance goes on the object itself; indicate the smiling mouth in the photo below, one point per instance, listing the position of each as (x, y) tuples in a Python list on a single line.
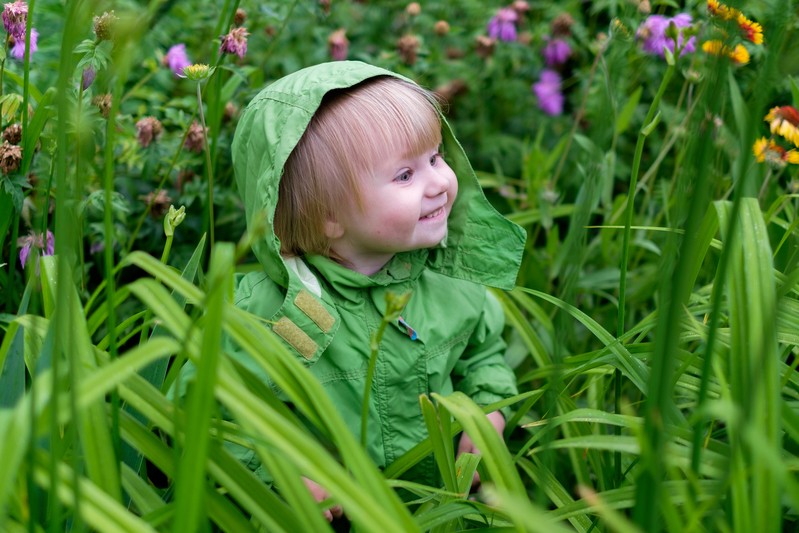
[(438, 212)]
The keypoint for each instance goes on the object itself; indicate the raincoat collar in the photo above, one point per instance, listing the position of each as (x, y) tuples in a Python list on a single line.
[(482, 246)]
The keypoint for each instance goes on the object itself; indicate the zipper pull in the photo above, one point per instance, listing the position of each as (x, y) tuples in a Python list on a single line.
[(411, 332)]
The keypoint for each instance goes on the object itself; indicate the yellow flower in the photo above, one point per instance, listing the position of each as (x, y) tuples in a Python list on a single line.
[(768, 151), (752, 31), (713, 47), (718, 9), (784, 121), (759, 149), (739, 54)]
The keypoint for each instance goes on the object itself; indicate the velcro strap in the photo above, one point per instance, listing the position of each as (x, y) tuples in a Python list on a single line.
[(315, 311), (297, 338)]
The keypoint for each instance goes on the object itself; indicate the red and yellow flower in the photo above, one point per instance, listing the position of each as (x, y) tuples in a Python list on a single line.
[(784, 121), (751, 30), (768, 151)]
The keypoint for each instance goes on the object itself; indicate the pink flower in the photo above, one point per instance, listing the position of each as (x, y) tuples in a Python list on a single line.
[(547, 90), (18, 50), (176, 59), (556, 52), (35, 241), (502, 26), (235, 42), (652, 34), (15, 16)]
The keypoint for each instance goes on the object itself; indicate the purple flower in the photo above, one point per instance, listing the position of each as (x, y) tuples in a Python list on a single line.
[(176, 59), (18, 50), (502, 26), (235, 42), (35, 240), (652, 34), (547, 90), (88, 77), (556, 52), (15, 16)]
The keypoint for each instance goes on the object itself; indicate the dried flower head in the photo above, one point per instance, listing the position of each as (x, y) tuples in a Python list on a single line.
[(15, 17), (413, 9), (520, 6), (195, 138), (13, 134), (408, 46), (441, 27), (484, 46), (158, 202), (184, 176), (338, 45), (450, 90), (104, 26), (235, 42), (103, 103), (562, 25), (176, 59), (147, 130), (10, 157), (229, 112), (239, 17)]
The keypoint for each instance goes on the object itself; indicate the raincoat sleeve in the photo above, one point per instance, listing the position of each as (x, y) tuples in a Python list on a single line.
[(482, 373)]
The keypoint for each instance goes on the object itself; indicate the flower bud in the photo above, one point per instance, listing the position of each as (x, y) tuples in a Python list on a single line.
[(198, 72), (173, 219)]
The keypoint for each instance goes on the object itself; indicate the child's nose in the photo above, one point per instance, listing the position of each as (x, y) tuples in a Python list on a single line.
[(438, 183)]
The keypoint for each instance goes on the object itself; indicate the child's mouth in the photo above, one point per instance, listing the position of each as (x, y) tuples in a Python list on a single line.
[(434, 214)]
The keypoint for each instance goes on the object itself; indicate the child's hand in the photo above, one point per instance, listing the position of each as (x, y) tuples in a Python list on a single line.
[(319, 494), (467, 446)]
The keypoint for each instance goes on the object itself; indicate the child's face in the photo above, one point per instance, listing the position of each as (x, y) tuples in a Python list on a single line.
[(406, 203)]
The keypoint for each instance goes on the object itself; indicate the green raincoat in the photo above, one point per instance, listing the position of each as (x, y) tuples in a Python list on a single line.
[(325, 313)]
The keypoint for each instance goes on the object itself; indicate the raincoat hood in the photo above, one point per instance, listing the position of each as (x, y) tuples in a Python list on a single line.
[(482, 246)]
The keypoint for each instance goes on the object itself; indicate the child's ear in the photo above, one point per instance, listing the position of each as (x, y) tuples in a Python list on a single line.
[(333, 230)]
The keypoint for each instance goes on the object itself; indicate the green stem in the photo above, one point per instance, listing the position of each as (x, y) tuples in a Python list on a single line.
[(208, 167), (370, 374), (649, 123)]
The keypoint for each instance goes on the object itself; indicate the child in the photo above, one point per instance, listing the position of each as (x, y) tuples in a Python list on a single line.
[(345, 162)]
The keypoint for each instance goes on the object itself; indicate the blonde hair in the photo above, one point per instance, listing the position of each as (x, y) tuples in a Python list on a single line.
[(352, 130)]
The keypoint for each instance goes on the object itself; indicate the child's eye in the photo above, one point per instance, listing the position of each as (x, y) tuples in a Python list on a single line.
[(404, 177), (434, 159)]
